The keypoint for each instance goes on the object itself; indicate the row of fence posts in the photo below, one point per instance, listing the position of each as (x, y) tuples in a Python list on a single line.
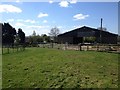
[(65, 46), (7, 48), (81, 47), (97, 47)]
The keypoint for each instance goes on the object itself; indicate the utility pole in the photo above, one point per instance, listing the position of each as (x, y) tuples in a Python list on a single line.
[(101, 23), (101, 31)]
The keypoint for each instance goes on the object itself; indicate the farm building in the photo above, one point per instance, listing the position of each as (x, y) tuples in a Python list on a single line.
[(83, 34)]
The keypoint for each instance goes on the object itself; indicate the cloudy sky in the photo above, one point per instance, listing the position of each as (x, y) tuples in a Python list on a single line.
[(66, 15)]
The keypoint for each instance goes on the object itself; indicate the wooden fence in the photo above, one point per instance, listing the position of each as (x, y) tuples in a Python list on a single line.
[(6, 49), (84, 47), (81, 47)]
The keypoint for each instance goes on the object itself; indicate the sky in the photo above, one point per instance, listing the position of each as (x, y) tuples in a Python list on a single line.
[(65, 15)]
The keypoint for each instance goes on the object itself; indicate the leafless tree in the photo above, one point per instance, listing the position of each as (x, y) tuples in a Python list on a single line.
[(54, 32)]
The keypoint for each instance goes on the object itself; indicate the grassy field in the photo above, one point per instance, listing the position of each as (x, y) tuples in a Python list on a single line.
[(52, 68)]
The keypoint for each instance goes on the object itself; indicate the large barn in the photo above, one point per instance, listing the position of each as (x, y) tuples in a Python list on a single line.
[(78, 36)]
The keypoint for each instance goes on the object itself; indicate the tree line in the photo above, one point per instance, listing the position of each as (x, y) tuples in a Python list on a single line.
[(34, 39), (10, 37)]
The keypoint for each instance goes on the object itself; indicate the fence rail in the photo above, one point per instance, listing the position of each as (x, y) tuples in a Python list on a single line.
[(84, 47), (6, 49)]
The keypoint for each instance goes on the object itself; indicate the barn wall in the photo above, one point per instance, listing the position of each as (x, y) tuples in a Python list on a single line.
[(65, 39), (76, 36), (109, 40), (77, 40)]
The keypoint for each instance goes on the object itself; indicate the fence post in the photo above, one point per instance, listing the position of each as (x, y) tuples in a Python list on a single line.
[(52, 44), (7, 48), (17, 48), (87, 47), (13, 47), (66, 45), (97, 47), (79, 45), (2, 49)]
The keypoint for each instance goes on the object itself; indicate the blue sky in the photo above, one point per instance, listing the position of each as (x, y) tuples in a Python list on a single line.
[(42, 16)]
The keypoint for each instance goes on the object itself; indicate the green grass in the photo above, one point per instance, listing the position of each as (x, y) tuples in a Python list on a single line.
[(52, 68)]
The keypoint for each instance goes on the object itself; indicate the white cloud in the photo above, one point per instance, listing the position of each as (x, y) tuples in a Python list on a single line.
[(37, 28), (50, 1), (45, 21), (63, 4), (9, 9), (80, 16), (17, 1), (73, 1), (20, 20), (77, 26), (42, 15), (26, 21), (30, 21), (34, 26), (10, 20), (18, 24), (60, 27), (28, 29)]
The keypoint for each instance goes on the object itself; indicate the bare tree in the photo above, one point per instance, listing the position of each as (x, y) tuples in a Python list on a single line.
[(54, 32), (34, 33)]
